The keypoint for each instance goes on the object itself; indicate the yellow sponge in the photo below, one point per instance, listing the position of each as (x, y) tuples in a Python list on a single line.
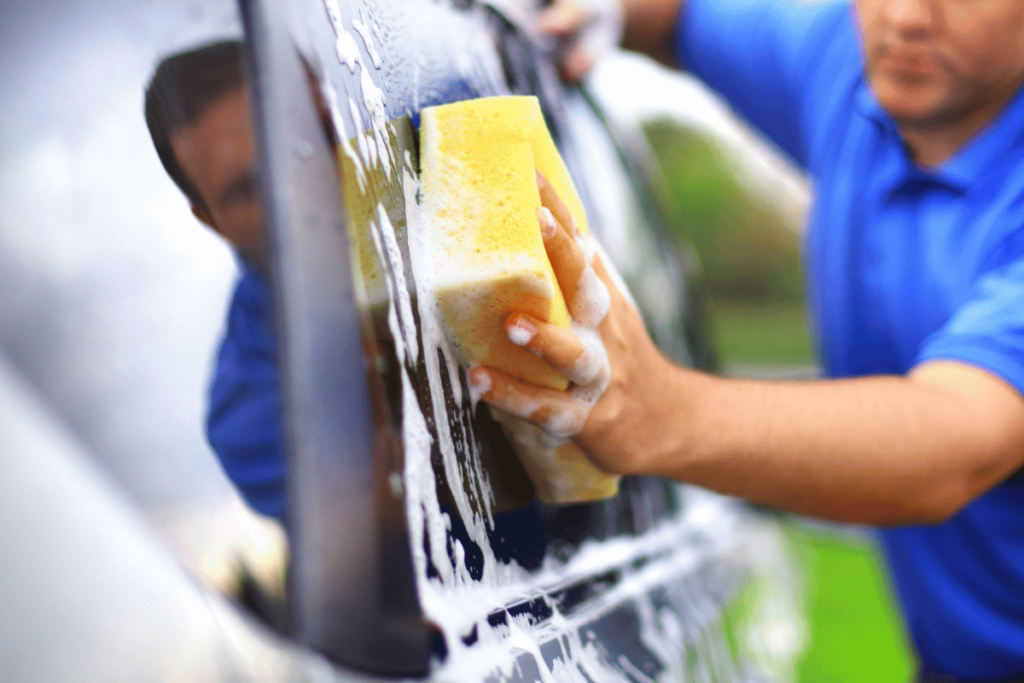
[(480, 200)]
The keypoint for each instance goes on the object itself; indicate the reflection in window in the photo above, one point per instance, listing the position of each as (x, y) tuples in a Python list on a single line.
[(198, 114)]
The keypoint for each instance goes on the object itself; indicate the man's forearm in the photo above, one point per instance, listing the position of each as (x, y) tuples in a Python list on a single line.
[(879, 450), (650, 27)]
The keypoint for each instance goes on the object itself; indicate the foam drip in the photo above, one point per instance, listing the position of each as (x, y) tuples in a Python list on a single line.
[(341, 132)]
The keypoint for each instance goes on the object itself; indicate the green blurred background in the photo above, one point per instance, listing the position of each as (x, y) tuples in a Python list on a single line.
[(750, 256)]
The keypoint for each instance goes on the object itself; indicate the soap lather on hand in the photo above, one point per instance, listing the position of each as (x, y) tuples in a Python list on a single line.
[(560, 470), (496, 289), (578, 353)]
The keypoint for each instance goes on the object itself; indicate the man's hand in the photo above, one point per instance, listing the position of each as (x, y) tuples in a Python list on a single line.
[(585, 29), (611, 362), (588, 28)]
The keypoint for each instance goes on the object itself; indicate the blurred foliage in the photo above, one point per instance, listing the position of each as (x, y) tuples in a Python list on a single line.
[(750, 257), (747, 251), (755, 332)]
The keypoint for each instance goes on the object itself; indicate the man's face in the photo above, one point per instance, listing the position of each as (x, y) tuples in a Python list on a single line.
[(938, 62), (218, 155)]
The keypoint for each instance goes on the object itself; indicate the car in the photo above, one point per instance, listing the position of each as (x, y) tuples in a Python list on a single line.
[(416, 546)]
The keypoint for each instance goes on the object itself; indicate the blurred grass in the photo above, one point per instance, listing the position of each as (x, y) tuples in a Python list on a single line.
[(751, 270), (855, 629)]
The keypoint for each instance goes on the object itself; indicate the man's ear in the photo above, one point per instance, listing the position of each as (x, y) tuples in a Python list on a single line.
[(203, 214)]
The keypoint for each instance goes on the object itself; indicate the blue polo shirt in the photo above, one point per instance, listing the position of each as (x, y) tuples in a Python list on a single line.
[(903, 266), (244, 423)]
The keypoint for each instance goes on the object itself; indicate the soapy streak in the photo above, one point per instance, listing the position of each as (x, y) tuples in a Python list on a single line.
[(341, 131), (673, 561), (363, 30)]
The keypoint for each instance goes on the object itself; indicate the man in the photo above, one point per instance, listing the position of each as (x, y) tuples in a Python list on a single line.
[(197, 110), (909, 116)]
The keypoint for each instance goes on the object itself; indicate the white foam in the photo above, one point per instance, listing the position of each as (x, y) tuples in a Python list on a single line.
[(363, 30), (594, 359), (479, 384), (386, 243), (341, 132), (520, 335), (592, 300), (344, 46)]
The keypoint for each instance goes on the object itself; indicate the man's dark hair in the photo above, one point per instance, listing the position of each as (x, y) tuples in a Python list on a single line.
[(183, 87)]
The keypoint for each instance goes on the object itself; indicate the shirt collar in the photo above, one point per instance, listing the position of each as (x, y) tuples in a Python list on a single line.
[(984, 149), (974, 158)]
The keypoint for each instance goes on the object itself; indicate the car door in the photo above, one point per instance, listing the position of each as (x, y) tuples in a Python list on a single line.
[(454, 556)]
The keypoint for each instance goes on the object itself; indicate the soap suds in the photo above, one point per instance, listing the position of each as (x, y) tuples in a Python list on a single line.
[(592, 362), (396, 268), (520, 335), (363, 30), (341, 132), (345, 46), (592, 300), (479, 384)]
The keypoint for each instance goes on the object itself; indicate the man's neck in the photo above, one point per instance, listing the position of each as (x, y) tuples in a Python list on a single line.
[(932, 144)]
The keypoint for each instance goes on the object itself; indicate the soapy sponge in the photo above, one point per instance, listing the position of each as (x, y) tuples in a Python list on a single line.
[(480, 202), (480, 199)]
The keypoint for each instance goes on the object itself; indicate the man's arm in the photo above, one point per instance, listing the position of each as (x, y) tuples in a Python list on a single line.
[(881, 450)]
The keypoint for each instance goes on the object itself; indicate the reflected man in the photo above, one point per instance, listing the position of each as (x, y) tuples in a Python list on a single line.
[(198, 113)]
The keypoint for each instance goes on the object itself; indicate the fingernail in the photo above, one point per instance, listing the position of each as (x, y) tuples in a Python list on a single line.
[(520, 330), (548, 227), (540, 176), (479, 383)]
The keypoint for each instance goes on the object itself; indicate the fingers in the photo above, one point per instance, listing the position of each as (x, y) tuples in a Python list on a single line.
[(549, 199), (567, 259), (580, 359), (565, 18), (556, 412), (577, 64), (568, 21), (585, 294), (577, 353)]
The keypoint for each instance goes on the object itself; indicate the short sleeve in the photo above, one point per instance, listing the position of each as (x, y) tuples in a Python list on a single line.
[(243, 421), (988, 330), (762, 56)]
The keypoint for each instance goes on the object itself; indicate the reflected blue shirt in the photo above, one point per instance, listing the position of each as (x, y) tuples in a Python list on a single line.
[(244, 423), (903, 266)]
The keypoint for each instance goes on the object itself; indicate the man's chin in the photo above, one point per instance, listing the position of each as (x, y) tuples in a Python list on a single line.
[(912, 106)]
